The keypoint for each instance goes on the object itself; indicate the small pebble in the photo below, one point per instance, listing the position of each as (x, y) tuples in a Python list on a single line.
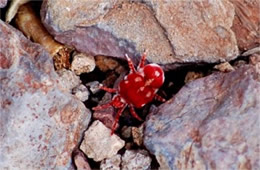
[(137, 133), (112, 163), (93, 86), (80, 161), (126, 131), (99, 144), (254, 59), (82, 63), (81, 92), (106, 63), (190, 76), (69, 79), (224, 67), (136, 160)]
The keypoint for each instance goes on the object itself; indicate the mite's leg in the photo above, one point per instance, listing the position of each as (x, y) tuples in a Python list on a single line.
[(141, 64), (130, 64), (118, 114), (107, 89), (134, 114), (159, 98)]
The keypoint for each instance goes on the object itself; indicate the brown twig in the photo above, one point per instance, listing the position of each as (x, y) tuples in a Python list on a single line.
[(31, 26)]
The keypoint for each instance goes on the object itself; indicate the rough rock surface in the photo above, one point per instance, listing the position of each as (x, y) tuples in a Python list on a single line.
[(246, 24), (98, 142), (82, 63), (39, 124), (112, 163), (68, 79), (81, 92), (199, 30), (3, 3), (136, 159), (211, 123)]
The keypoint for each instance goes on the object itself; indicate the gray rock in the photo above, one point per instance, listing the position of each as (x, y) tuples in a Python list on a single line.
[(135, 160), (81, 92), (40, 124), (69, 80), (93, 86), (112, 163), (211, 123), (98, 142), (170, 31)]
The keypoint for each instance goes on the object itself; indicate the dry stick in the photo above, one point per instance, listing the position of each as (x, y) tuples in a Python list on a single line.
[(31, 26)]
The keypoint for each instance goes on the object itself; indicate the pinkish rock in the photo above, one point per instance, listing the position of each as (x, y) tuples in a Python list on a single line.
[(40, 125), (80, 160), (3, 3), (198, 30), (170, 31), (98, 142), (246, 23), (212, 123)]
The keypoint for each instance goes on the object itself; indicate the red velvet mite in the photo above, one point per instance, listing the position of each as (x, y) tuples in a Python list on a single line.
[(137, 89)]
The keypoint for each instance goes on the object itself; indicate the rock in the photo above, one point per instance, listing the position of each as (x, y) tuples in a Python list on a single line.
[(246, 23), (136, 160), (126, 132), (98, 142), (254, 59), (138, 134), (211, 123), (112, 163), (224, 67), (80, 161), (40, 123), (93, 86), (114, 28), (191, 75), (69, 79), (106, 116), (82, 63), (105, 63), (198, 30), (3, 3), (252, 51), (81, 92)]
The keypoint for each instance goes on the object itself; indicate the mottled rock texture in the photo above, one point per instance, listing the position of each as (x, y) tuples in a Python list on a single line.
[(246, 24), (211, 123), (98, 142), (135, 160), (39, 123), (170, 31), (3, 3)]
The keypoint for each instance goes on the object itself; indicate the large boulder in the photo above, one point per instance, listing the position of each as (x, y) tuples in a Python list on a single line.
[(40, 124), (211, 123), (170, 31)]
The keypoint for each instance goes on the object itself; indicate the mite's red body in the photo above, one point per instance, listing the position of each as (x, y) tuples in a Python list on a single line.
[(137, 88)]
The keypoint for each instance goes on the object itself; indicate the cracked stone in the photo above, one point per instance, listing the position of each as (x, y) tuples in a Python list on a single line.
[(40, 124), (99, 144), (210, 120)]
